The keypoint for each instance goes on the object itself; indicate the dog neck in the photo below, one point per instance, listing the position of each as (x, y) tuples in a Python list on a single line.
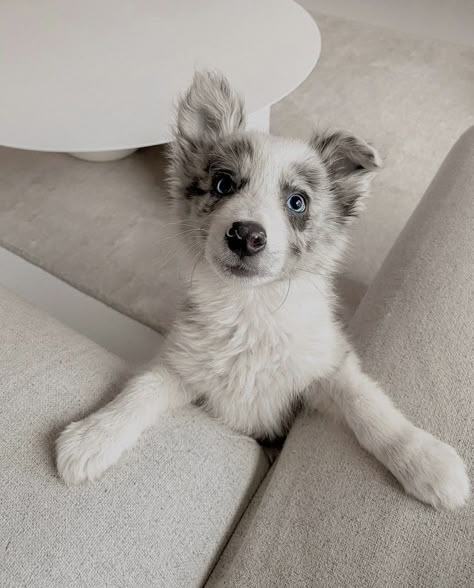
[(211, 293)]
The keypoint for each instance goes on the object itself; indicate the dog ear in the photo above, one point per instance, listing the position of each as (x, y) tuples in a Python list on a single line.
[(209, 109), (350, 163)]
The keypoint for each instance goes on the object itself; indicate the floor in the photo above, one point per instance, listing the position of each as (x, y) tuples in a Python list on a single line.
[(446, 20), (84, 314)]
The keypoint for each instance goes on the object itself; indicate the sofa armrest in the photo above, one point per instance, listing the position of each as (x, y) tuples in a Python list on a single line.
[(159, 518)]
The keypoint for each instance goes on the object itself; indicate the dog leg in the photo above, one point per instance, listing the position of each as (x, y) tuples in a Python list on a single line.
[(427, 468), (85, 449)]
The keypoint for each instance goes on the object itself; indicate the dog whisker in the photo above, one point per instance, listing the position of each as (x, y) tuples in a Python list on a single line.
[(169, 257), (179, 222), (315, 286), (321, 275), (285, 298), (196, 261), (184, 256), (187, 232), (181, 225), (179, 254)]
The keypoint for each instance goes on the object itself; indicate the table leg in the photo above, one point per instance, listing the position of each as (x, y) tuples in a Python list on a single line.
[(101, 156), (257, 121)]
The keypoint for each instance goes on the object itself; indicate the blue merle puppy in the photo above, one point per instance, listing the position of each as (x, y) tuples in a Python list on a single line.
[(268, 219)]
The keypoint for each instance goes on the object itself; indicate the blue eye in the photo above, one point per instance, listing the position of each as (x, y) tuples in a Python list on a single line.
[(296, 203)]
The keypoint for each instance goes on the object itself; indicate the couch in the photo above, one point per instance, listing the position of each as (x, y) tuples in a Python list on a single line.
[(196, 504)]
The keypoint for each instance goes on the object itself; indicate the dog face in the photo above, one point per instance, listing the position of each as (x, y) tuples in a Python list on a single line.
[(259, 207)]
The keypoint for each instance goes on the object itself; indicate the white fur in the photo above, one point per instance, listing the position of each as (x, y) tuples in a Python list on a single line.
[(251, 359), (250, 364), (88, 447), (247, 349), (427, 468)]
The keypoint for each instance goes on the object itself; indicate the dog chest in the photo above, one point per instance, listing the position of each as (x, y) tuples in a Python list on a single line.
[(250, 367)]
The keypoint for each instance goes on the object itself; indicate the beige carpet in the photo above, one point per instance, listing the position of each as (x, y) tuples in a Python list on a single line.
[(100, 226)]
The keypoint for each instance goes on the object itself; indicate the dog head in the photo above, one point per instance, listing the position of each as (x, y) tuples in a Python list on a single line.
[(256, 206)]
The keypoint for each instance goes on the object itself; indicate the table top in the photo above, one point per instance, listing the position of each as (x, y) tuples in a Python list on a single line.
[(97, 75)]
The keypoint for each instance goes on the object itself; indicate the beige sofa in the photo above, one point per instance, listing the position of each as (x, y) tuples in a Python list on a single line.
[(196, 504)]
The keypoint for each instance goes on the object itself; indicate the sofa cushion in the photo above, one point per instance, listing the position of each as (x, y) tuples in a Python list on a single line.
[(159, 518), (331, 515)]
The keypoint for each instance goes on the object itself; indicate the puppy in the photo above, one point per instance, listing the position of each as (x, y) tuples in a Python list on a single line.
[(266, 219)]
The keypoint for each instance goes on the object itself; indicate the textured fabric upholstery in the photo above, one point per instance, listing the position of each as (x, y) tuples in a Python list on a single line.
[(330, 515), (159, 518)]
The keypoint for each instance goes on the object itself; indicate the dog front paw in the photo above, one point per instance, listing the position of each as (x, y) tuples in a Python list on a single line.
[(432, 471), (85, 449)]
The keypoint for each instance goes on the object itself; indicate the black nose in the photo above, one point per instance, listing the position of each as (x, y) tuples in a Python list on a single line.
[(246, 238)]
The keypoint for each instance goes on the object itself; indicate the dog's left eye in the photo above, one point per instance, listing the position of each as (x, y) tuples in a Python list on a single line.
[(224, 185), (296, 203)]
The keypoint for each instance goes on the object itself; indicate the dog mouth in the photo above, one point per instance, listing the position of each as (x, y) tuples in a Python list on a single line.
[(240, 271), (233, 269)]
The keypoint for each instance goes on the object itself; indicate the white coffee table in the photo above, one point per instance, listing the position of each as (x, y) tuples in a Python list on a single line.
[(99, 78)]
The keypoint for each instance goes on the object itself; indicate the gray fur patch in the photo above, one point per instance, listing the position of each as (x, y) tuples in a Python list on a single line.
[(307, 174), (349, 162), (234, 156), (296, 250), (194, 189)]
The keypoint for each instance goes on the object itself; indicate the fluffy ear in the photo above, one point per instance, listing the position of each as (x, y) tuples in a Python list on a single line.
[(209, 109), (350, 163)]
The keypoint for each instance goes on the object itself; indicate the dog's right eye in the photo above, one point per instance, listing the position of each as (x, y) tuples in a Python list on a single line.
[(224, 185)]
